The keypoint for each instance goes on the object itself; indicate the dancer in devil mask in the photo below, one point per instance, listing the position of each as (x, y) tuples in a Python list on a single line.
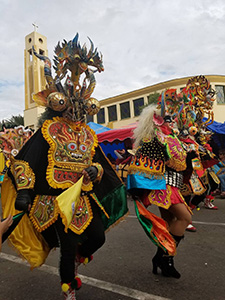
[(61, 178)]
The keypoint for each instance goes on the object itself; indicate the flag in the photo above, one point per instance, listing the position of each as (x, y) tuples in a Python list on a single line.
[(155, 228), (67, 202)]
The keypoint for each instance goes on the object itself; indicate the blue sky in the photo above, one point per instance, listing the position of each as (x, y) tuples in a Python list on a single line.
[(143, 42)]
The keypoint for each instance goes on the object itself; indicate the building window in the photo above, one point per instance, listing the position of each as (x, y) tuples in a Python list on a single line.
[(112, 113), (101, 116), (41, 52), (138, 103), (89, 118), (125, 110), (220, 92)]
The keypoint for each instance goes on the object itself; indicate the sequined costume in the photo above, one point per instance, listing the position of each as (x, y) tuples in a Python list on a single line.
[(155, 177), (157, 169)]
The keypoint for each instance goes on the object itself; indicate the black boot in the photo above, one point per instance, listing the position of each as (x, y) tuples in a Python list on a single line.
[(165, 262), (157, 260), (167, 265)]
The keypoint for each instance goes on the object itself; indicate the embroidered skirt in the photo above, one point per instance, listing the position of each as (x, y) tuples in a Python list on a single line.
[(165, 198)]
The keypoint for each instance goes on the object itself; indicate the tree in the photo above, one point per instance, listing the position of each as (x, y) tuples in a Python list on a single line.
[(12, 122), (153, 98)]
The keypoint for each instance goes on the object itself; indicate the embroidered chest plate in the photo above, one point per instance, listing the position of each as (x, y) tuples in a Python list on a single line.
[(72, 146), (175, 150)]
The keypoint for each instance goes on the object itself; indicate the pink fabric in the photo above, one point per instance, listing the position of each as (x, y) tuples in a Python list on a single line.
[(176, 196), (116, 134), (163, 198), (165, 129)]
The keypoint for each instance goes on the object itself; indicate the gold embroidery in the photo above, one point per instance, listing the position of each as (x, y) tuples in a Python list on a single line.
[(196, 184), (43, 212), (161, 198), (100, 171), (214, 177), (185, 189), (72, 147), (82, 216), (23, 174)]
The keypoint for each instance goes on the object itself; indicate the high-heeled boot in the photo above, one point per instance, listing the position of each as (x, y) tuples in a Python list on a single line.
[(167, 263), (157, 260), (167, 267)]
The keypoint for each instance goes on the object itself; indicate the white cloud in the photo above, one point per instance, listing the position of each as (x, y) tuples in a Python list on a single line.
[(11, 99), (143, 41)]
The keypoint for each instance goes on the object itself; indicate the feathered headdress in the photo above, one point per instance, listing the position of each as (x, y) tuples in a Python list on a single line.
[(191, 105)]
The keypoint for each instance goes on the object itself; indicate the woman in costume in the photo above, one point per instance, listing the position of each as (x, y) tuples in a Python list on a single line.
[(155, 177), (57, 178)]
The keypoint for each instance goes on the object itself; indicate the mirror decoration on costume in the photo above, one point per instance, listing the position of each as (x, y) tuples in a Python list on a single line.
[(13, 139)]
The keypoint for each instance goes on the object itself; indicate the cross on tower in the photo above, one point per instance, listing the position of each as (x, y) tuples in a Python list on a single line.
[(35, 26)]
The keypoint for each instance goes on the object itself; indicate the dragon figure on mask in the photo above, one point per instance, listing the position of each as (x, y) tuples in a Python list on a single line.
[(73, 99), (61, 179)]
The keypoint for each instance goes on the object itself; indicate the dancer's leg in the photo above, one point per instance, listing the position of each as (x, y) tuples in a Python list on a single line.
[(177, 217), (68, 246), (95, 234), (182, 219)]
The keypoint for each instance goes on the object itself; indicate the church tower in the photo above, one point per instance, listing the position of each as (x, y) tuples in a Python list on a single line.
[(34, 76)]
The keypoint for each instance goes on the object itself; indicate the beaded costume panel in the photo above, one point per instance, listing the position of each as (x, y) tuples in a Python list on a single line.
[(149, 159), (175, 150), (72, 147)]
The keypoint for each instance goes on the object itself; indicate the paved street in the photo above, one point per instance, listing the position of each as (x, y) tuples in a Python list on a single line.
[(121, 270)]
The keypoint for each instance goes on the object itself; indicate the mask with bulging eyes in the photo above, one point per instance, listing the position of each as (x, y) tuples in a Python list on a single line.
[(58, 101), (193, 130)]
